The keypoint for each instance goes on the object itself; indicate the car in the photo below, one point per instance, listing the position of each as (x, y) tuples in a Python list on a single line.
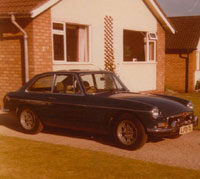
[(98, 101)]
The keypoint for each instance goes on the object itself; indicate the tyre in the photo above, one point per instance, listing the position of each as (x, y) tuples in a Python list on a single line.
[(29, 121), (129, 133)]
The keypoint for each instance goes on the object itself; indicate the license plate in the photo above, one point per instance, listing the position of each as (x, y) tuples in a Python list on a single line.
[(186, 129)]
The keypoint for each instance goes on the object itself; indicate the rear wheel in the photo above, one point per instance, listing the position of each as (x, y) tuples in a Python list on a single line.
[(129, 133), (29, 121)]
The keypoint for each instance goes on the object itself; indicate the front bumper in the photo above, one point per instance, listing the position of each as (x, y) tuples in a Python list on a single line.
[(173, 127)]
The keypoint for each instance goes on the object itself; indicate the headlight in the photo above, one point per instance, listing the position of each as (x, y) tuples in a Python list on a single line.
[(190, 105), (155, 113)]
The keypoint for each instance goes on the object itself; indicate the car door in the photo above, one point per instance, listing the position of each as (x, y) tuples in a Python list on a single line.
[(100, 108), (67, 102), (37, 95), (97, 110)]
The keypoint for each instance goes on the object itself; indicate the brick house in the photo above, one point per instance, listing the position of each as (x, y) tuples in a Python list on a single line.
[(182, 54), (126, 36)]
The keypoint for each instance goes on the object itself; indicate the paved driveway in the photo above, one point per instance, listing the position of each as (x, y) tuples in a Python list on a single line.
[(181, 152)]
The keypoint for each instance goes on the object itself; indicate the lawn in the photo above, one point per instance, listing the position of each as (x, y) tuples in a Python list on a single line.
[(20, 158), (194, 98)]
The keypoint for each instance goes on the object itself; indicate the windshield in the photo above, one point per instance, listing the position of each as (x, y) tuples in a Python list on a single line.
[(101, 82)]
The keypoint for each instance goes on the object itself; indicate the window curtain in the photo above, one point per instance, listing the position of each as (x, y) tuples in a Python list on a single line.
[(82, 44)]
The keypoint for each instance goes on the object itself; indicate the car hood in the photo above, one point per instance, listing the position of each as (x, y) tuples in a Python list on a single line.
[(167, 105)]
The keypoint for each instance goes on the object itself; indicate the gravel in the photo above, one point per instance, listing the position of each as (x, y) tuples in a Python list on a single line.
[(181, 152)]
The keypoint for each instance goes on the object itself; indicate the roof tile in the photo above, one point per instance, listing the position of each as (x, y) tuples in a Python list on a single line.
[(187, 34)]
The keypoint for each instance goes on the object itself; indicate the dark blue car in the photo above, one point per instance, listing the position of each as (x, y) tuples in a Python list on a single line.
[(99, 102)]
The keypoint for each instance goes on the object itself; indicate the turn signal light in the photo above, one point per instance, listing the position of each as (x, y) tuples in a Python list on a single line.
[(162, 125)]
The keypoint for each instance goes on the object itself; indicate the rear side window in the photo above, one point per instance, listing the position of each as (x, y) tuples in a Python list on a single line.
[(43, 84)]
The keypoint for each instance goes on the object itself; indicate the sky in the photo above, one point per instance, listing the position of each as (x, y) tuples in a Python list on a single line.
[(180, 7)]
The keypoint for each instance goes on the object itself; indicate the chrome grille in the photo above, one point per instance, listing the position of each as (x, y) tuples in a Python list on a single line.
[(181, 119)]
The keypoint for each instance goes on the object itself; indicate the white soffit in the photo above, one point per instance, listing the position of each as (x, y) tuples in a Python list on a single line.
[(43, 7), (159, 14)]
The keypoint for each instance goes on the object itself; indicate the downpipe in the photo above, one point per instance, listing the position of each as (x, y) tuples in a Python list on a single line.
[(13, 20), (186, 70)]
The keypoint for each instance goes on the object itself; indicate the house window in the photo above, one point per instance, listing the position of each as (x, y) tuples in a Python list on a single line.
[(58, 47), (139, 46), (152, 50), (70, 42), (152, 36)]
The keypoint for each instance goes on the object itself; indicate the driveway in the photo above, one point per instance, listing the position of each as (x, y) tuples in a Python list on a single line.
[(182, 152)]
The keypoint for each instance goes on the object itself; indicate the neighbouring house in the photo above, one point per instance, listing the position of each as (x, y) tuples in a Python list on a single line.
[(182, 62), (125, 36)]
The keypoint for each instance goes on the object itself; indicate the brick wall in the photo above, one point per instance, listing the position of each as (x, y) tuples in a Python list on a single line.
[(160, 59), (10, 58), (12, 54), (192, 68), (39, 44), (175, 72)]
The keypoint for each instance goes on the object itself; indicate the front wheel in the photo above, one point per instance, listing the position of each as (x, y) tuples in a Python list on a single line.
[(29, 121), (129, 133)]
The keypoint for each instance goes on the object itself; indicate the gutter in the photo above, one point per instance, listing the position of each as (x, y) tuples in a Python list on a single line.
[(25, 46)]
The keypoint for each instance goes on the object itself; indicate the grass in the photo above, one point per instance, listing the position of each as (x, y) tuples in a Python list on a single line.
[(194, 98), (20, 158)]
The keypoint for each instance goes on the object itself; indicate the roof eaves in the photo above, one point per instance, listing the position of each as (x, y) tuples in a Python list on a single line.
[(35, 12), (179, 51), (30, 14), (19, 15), (156, 11)]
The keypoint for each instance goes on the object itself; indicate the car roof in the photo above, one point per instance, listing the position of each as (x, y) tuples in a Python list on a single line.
[(77, 71)]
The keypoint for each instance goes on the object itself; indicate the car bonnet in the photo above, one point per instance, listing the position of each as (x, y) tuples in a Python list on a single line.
[(166, 106)]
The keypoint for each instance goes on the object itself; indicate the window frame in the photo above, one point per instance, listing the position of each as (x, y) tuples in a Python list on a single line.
[(63, 32), (75, 76), (152, 36), (147, 41), (59, 32), (154, 43)]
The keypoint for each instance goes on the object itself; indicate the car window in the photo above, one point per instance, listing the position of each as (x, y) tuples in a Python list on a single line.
[(89, 83), (43, 84), (118, 84), (66, 83), (87, 80), (100, 82), (105, 81)]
